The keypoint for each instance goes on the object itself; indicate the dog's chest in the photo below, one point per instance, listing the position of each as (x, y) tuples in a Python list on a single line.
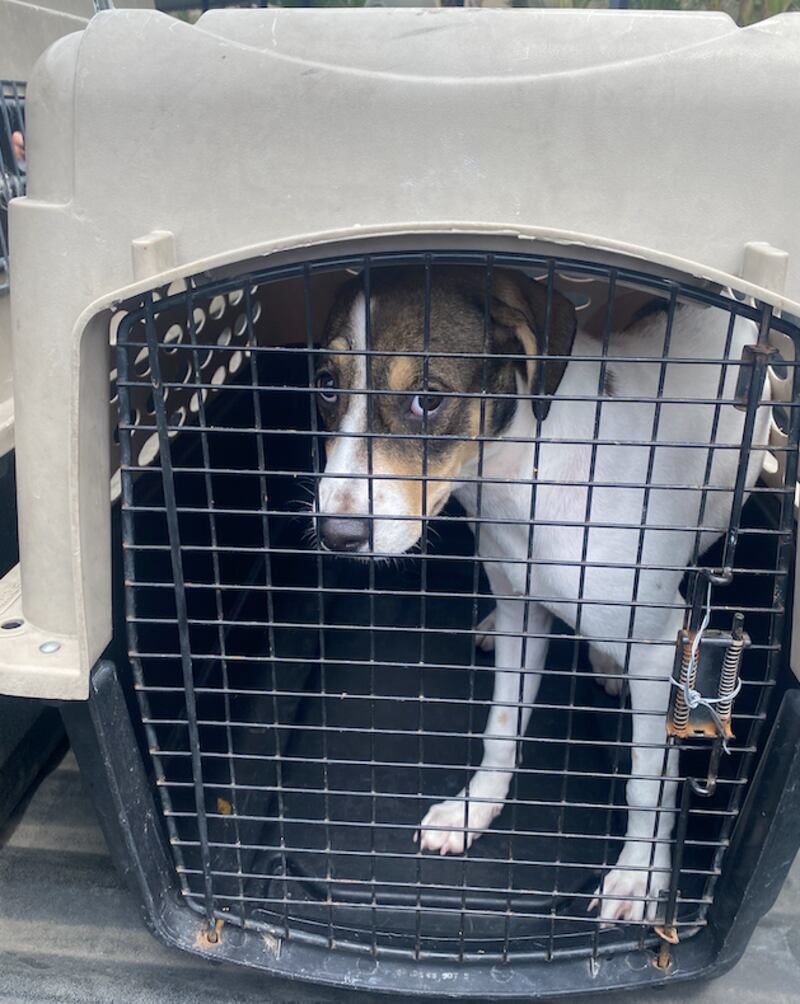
[(503, 536), (518, 520)]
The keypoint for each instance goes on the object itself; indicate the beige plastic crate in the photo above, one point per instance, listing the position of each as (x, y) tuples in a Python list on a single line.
[(160, 151)]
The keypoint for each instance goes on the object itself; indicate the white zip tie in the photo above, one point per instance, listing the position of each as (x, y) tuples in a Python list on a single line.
[(693, 698)]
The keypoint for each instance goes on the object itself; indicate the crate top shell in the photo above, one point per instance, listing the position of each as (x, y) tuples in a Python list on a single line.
[(653, 134), (159, 150)]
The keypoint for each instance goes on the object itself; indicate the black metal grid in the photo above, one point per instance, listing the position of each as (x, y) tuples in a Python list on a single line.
[(304, 710), (12, 165)]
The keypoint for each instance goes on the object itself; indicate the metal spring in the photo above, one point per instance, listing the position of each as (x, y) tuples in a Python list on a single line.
[(688, 676), (730, 667)]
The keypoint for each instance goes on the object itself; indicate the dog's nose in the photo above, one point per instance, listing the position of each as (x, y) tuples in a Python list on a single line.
[(344, 533)]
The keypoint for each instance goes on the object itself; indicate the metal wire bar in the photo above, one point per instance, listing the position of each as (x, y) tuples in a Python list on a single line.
[(426, 338), (466, 395), (555, 803), (349, 762), (191, 329), (487, 559), (477, 520), (713, 439), (430, 888), (129, 565), (371, 592), (437, 733), (463, 480), (182, 616), (389, 884), (476, 596), (522, 769), (440, 594), (432, 909), (309, 335), (489, 860), (375, 699), (268, 586), (398, 629), (310, 823)]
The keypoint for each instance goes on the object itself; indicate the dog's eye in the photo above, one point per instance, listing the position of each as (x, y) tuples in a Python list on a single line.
[(425, 404), (327, 383)]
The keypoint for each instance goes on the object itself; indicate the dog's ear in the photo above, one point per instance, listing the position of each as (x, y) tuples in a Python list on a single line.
[(520, 315)]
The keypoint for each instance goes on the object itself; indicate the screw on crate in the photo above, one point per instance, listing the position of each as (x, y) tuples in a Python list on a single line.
[(210, 934), (49, 647)]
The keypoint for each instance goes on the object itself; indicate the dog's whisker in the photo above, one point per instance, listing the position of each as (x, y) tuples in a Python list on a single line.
[(310, 488)]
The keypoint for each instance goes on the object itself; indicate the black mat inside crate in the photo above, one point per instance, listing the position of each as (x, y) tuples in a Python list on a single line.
[(314, 773), (384, 783)]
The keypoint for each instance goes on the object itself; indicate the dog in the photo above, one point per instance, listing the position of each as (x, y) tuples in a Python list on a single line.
[(499, 326)]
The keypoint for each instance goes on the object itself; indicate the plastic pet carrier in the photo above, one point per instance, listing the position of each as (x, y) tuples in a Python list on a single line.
[(407, 476), (29, 732)]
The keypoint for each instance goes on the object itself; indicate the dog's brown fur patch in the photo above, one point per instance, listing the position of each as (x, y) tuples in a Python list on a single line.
[(402, 374)]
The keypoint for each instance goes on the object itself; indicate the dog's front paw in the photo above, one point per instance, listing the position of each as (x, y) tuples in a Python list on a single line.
[(443, 828), (631, 894)]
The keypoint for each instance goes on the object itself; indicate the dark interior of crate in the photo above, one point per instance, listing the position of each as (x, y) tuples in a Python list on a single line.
[(312, 801)]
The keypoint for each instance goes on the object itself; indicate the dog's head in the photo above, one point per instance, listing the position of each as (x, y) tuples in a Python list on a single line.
[(421, 408)]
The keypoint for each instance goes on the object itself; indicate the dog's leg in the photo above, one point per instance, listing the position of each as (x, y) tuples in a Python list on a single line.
[(642, 870), (443, 828)]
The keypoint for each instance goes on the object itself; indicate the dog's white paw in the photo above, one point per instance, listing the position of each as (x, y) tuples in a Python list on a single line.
[(443, 829), (628, 895), (483, 641)]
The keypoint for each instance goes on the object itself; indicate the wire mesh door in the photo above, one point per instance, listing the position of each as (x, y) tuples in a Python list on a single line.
[(420, 551), (12, 160)]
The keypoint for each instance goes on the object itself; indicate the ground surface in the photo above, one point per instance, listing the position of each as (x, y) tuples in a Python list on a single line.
[(70, 931)]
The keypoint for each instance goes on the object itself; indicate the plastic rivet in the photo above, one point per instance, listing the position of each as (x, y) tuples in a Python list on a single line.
[(48, 647)]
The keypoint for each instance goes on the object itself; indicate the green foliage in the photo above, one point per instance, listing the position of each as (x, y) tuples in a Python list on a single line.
[(320, 3)]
